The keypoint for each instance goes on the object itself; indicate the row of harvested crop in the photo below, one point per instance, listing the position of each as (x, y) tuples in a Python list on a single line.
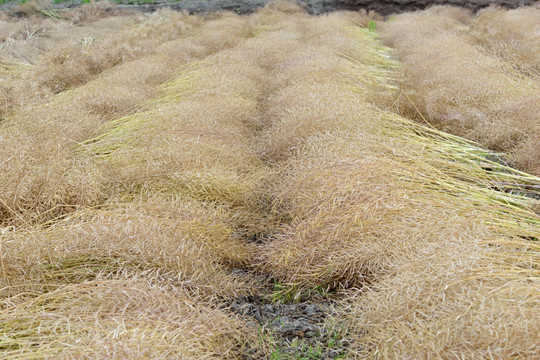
[(474, 77), (281, 132), (402, 214), (124, 231), (147, 252)]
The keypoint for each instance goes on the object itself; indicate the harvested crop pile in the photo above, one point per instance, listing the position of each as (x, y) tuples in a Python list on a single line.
[(463, 89), (513, 36), (195, 246), (373, 201), (151, 209), (42, 175), (119, 319), (46, 56), (134, 235)]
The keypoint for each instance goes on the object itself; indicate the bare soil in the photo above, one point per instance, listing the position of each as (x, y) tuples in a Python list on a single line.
[(315, 7)]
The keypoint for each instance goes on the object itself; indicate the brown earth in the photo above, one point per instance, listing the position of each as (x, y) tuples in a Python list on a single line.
[(384, 7)]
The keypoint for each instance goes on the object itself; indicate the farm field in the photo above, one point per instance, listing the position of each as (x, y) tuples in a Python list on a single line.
[(269, 186)]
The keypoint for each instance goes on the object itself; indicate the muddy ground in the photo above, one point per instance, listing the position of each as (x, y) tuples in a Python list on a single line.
[(384, 7)]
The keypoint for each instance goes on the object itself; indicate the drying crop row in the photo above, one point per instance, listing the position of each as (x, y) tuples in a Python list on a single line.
[(145, 188)]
